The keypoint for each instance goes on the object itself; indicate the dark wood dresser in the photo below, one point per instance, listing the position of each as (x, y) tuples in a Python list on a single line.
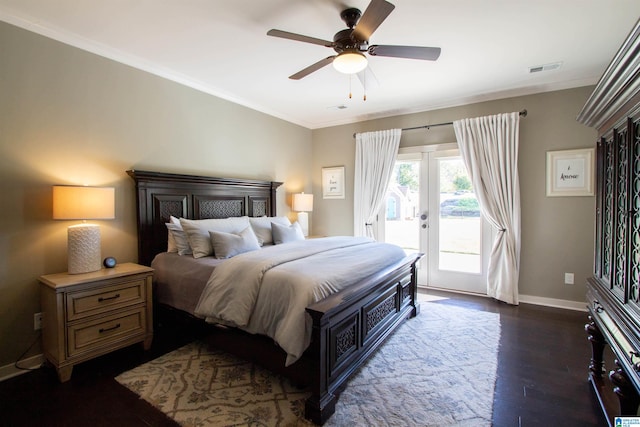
[(613, 293)]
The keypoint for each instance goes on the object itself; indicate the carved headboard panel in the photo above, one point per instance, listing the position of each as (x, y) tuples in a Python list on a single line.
[(161, 195)]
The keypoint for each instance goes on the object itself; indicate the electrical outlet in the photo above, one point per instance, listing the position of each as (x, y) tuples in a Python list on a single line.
[(37, 321), (568, 278)]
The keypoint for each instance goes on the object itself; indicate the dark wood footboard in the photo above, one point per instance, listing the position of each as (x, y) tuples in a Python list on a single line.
[(350, 325)]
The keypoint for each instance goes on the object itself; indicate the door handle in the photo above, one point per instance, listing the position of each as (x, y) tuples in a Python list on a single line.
[(423, 216)]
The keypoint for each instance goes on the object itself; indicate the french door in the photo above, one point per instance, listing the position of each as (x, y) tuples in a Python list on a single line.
[(431, 208)]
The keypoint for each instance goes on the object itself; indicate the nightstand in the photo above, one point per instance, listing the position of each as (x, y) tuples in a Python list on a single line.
[(88, 315)]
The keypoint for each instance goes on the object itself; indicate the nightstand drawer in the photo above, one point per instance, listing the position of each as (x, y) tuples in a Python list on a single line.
[(86, 336), (89, 302)]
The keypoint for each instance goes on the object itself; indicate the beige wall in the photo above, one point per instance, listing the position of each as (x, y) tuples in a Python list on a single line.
[(70, 117), (557, 233)]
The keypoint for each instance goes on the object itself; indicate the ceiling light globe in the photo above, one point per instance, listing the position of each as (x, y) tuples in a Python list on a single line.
[(350, 62)]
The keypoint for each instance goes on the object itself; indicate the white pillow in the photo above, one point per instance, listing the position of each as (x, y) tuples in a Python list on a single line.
[(285, 234), (226, 245), (262, 227), (198, 232), (180, 239), (172, 246), (171, 241)]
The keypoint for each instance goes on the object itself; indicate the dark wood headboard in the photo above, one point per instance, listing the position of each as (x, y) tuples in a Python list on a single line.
[(161, 195)]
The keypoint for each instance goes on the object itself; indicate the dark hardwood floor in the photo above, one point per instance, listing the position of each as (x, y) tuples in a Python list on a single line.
[(542, 365), (542, 376)]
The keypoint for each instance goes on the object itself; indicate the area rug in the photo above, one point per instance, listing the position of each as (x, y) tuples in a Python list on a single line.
[(437, 369)]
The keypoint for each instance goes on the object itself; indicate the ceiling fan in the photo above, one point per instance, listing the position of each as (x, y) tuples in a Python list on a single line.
[(351, 42)]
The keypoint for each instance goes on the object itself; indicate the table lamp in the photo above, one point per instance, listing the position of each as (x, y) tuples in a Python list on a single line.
[(303, 203), (83, 240)]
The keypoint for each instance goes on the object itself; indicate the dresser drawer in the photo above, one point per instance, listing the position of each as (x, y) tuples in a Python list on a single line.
[(85, 336), (89, 302)]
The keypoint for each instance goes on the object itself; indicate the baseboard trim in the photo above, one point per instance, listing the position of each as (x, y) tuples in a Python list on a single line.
[(553, 302), (453, 291), (10, 371), (527, 299)]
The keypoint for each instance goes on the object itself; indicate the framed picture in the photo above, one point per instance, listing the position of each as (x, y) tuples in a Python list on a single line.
[(570, 172), (333, 182)]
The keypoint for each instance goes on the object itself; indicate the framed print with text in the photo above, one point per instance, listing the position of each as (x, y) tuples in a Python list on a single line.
[(333, 182), (570, 172)]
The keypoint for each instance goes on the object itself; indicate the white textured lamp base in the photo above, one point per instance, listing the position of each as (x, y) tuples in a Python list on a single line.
[(303, 220), (83, 248)]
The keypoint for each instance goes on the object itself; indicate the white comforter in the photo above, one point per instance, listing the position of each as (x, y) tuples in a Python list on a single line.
[(267, 291)]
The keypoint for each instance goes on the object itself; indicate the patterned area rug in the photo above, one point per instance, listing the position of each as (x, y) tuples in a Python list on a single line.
[(438, 369)]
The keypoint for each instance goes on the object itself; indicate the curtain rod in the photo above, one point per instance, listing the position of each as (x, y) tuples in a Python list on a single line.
[(523, 113)]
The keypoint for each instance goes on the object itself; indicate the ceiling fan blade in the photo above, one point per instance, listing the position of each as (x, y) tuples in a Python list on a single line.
[(373, 16), (411, 52), (299, 37), (311, 68)]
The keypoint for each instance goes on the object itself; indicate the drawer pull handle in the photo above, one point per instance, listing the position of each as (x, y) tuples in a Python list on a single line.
[(102, 299), (597, 306), (113, 328)]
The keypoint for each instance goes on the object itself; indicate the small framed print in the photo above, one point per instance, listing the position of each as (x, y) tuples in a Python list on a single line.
[(570, 172), (333, 182)]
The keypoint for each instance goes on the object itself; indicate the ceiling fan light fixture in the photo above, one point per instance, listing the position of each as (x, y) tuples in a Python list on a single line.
[(350, 62)]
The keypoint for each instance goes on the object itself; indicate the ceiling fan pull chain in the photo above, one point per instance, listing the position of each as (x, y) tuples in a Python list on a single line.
[(364, 85), (350, 92)]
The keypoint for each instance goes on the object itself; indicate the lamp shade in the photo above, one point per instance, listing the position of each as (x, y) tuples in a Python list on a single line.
[(350, 62), (83, 240), (71, 202), (303, 202)]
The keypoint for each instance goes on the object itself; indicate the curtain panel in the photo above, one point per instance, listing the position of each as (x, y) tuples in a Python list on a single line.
[(489, 149), (375, 157)]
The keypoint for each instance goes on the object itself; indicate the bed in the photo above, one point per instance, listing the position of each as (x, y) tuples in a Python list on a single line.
[(346, 327)]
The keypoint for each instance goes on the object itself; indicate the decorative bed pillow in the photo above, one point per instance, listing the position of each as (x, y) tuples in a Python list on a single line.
[(286, 233), (180, 238), (172, 246), (226, 245), (198, 232), (262, 227)]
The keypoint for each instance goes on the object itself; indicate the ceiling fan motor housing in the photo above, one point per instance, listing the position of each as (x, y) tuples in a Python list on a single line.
[(344, 40)]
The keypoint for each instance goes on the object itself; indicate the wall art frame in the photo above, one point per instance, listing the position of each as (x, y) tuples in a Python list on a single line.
[(333, 182), (570, 172)]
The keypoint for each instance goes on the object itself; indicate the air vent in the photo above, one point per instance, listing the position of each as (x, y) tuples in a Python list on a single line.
[(545, 67), (337, 107)]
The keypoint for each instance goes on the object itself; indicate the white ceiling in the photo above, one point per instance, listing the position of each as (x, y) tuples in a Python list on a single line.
[(221, 47)]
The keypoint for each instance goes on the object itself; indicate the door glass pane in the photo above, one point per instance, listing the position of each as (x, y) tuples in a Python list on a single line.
[(459, 219), (401, 206)]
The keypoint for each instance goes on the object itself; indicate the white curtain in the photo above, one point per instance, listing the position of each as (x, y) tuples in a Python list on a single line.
[(375, 157), (489, 149)]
